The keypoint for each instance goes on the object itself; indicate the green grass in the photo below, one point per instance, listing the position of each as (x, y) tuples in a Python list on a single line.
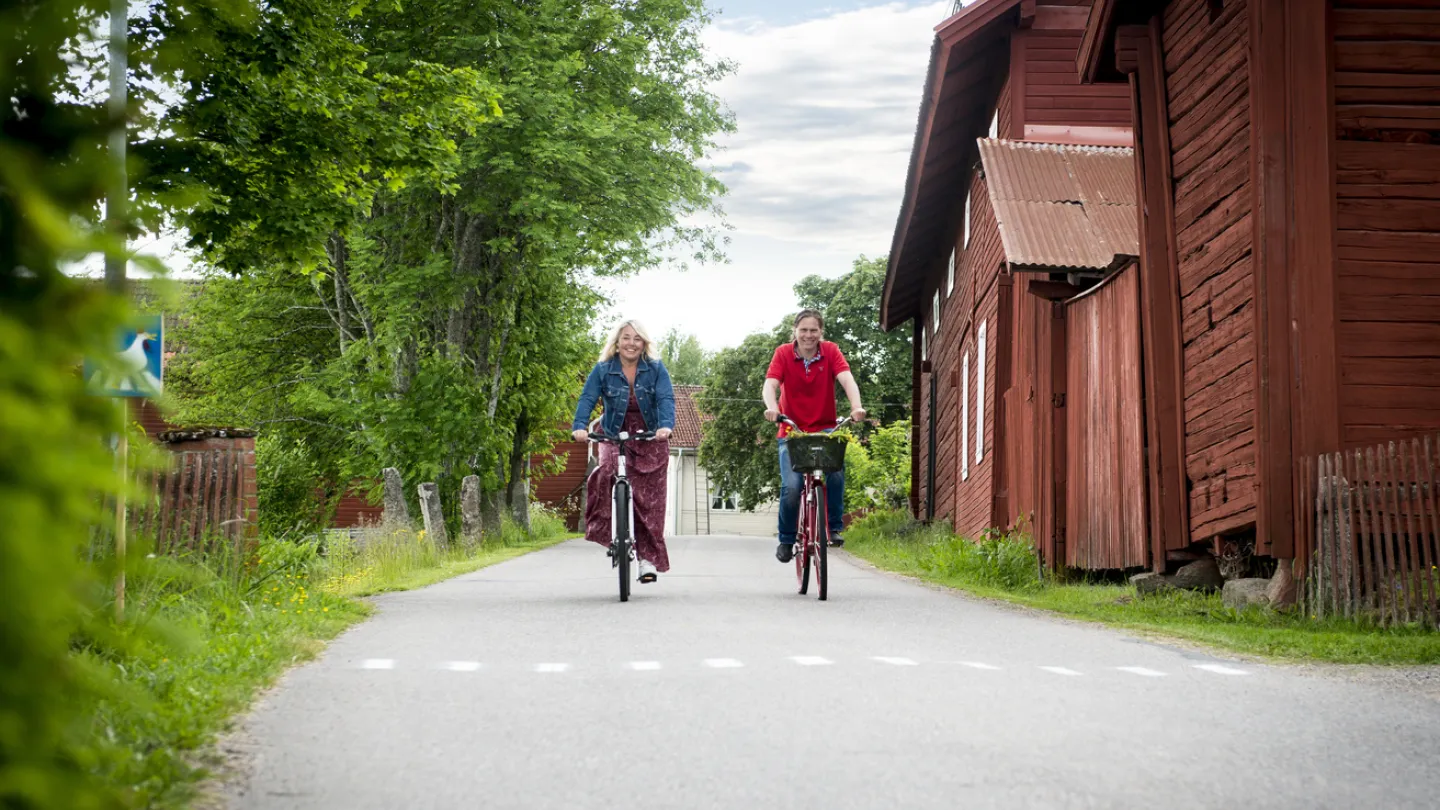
[(203, 636), (1005, 568)]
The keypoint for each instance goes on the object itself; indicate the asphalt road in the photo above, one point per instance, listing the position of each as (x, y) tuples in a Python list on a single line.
[(528, 685)]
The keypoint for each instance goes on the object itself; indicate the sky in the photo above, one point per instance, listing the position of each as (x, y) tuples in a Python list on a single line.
[(825, 96)]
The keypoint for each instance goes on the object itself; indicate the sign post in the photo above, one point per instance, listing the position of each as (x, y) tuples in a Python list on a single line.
[(134, 371)]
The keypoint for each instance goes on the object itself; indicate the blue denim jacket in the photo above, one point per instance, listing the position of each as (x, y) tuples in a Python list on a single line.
[(607, 385)]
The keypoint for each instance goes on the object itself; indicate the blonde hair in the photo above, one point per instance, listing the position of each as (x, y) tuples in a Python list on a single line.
[(613, 342)]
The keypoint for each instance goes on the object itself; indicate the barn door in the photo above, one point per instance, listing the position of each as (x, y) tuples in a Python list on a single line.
[(1106, 483)]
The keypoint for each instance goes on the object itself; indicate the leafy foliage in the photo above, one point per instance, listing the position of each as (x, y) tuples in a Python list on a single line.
[(877, 473), (684, 357), (738, 450), (880, 361), (54, 459), (426, 308)]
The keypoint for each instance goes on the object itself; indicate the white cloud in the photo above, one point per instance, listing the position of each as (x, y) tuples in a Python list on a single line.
[(825, 114)]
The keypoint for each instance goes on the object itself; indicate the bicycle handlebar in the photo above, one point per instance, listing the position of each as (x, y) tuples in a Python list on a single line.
[(780, 417), (642, 436)]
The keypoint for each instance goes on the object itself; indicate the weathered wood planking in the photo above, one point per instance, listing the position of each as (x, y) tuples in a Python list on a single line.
[(1052, 89), (977, 271), (1207, 85), (1106, 485), (1387, 79)]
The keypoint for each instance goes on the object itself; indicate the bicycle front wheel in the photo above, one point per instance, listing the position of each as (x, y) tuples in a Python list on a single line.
[(624, 568), (620, 528)]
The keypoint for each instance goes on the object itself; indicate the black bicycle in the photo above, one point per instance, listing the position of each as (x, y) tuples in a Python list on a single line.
[(622, 508)]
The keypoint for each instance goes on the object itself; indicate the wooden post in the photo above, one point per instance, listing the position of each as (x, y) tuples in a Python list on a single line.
[(1159, 288), (122, 454)]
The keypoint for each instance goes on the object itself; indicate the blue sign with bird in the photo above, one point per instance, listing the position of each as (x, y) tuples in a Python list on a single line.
[(137, 366)]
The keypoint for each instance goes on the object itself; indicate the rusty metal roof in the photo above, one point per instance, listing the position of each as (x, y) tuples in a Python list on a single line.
[(1063, 207)]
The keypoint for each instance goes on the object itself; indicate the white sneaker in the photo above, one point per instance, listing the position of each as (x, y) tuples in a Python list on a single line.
[(648, 572)]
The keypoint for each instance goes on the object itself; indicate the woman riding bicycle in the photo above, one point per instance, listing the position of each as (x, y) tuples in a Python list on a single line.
[(804, 374), (634, 388)]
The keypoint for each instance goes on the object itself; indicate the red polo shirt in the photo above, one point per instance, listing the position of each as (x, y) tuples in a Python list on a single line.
[(807, 392)]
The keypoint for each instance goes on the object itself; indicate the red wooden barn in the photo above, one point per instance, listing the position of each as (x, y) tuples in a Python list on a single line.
[(1290, 156), (1286, 298), (1013, 254)]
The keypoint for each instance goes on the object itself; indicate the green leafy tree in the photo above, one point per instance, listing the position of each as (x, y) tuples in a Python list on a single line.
[(445, 303), (738, 450), (685, 358)]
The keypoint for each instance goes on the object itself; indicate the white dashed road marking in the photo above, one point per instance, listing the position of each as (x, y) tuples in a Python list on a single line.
[(1221, 669), (1148, 673), (805, 661), (810, 660)]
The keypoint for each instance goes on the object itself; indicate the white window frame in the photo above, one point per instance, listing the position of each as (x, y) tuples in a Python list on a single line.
[(717, 496), (980, 394), (924, 345), (966, 243), (965, 416), (950, 275), (935, 312)]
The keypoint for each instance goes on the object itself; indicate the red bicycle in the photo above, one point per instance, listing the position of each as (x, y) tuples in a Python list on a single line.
[(813, 455)]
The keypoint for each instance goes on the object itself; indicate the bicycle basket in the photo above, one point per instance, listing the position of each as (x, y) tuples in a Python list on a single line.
[(821, 452)]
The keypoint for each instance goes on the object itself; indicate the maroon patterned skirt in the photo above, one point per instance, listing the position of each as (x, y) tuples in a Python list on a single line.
[(646, 465)]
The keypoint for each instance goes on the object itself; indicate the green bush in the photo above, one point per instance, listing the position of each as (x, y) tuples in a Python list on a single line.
[(877, 474)]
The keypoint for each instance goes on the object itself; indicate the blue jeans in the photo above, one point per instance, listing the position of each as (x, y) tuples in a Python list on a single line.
[(792, 484)]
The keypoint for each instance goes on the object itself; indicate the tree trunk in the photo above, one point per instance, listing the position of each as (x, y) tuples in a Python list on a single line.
[(434, 516), (471, 522), (517, 488), (492, 503)]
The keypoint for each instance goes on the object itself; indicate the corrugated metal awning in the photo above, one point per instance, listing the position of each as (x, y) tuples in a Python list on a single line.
[(1063, 207)]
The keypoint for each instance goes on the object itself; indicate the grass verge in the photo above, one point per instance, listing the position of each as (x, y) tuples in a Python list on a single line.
[(1005, 568), (202, 637)]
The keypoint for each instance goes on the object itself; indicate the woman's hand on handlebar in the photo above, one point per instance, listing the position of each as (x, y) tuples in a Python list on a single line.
[(580, 435), (771, 415), (663, 433)]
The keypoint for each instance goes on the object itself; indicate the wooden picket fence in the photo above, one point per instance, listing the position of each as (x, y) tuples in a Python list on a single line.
[(197, 503), (1372, 518)]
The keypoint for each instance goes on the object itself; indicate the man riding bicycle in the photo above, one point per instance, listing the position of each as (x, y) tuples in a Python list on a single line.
[(804, 374)]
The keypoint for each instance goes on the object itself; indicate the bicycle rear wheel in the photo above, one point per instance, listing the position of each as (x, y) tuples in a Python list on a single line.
[(821, 532)]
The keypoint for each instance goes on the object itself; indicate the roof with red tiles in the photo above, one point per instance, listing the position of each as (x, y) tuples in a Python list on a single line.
[(687, 418)]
